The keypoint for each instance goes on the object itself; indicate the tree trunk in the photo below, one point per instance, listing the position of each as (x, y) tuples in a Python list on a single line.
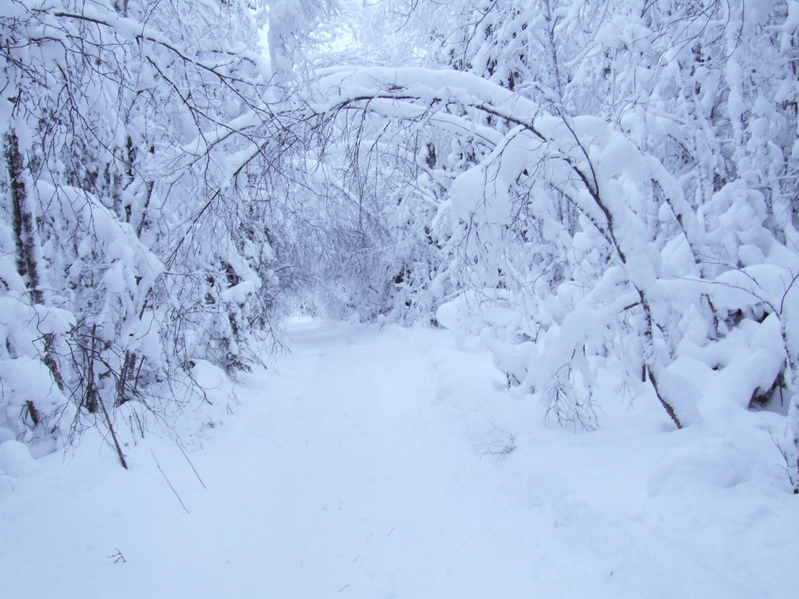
[(25, 238)]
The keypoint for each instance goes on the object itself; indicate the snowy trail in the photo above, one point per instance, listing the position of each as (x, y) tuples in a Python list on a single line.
[(363, 466)]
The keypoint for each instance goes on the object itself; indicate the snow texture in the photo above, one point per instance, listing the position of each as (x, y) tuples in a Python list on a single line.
[(382, 462)]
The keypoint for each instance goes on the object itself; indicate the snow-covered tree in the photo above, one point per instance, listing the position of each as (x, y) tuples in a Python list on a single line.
[(618, 190), (600, 188), (123, 128)]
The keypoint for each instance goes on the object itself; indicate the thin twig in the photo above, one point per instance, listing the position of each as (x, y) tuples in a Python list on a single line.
[(190, 464), (169, 483)]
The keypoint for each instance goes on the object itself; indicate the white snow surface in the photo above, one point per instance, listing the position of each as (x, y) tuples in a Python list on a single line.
[(385, 462)]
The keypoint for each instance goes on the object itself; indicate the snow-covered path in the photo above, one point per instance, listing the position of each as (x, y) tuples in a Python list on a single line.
[(384, 463)]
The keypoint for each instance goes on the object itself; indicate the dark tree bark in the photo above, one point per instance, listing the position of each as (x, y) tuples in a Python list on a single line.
[(24, 225)]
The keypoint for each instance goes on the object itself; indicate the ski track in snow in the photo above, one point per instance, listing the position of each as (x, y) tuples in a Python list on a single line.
[(370, 463)]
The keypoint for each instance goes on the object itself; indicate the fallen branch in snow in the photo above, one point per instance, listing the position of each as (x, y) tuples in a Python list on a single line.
[(190, 463), (183, 505), (499, 448)]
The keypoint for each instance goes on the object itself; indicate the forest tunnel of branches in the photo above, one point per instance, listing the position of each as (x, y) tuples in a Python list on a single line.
[(592, 187)]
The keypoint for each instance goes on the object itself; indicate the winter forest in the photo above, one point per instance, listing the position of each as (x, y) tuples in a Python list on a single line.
[(596, 201)]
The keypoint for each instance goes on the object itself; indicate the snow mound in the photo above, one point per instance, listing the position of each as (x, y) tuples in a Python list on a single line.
[(5, 435), (706, 463), (208, 376), (15, 459), (212, 382)]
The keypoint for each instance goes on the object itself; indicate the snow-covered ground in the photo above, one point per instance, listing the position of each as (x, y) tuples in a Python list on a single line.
[(389, 462)]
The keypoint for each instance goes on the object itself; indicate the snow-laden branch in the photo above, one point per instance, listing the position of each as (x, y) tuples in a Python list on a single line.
[(131, 30), (591, 150), (606, 176)]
